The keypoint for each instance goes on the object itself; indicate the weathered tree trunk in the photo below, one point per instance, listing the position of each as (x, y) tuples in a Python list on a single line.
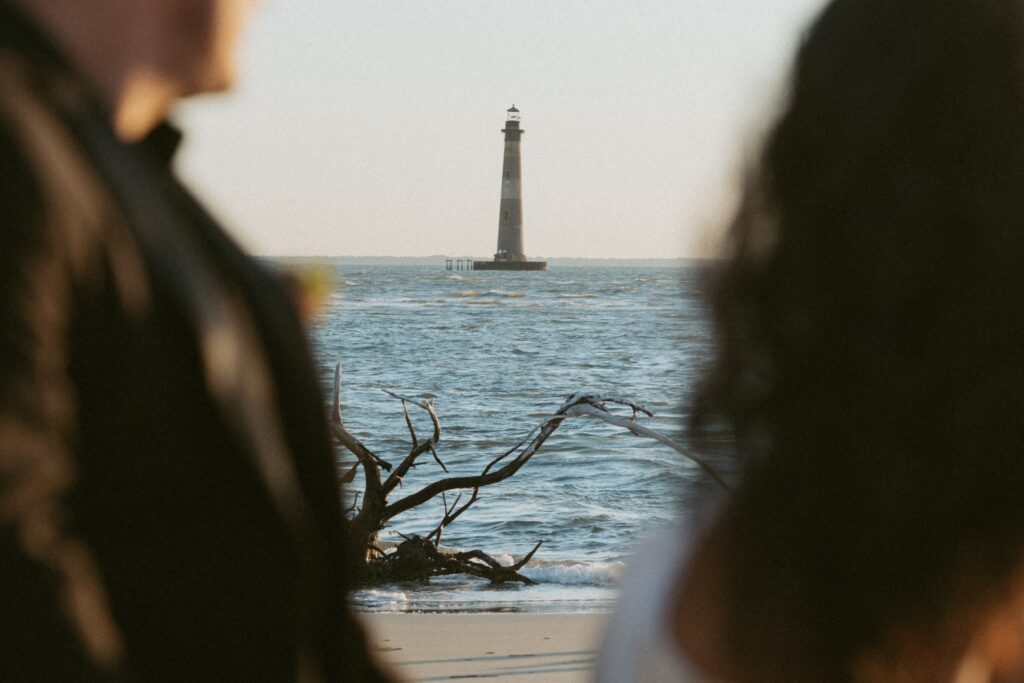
[(420, 558)]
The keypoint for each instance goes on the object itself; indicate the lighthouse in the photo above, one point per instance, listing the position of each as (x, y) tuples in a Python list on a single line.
[(509, 255), (510, 217)]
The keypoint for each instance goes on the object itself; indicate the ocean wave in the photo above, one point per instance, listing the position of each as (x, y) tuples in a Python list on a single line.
[(382, 598), (501, 370), (574, 573), (500, 293), (568, 572)]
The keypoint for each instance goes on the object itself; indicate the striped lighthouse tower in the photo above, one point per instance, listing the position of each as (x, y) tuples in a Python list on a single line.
[(510, 254), (510, 217)]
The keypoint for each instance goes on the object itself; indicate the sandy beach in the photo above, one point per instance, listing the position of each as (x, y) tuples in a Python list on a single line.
[(559, 648)]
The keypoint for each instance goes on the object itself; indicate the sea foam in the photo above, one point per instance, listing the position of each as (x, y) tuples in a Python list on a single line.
[(575, 573), (569, 573)]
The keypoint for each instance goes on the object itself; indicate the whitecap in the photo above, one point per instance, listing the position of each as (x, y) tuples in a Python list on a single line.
[(574, 573)]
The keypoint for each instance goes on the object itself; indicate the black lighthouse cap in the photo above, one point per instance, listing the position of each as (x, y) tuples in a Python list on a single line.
[(513, 108)]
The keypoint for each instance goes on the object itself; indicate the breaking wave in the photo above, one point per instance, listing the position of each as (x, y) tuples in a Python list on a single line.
[(575, 573), (568, 572), (502, 294)]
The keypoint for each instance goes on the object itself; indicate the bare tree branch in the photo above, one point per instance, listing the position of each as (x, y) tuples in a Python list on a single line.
[(578, 404), (529, 556), (355, 503), (418, 447), (425, 405), (480, 555), (593, 410), (350, 475), (451, 514), (636, 407), (486, 478), (366, 521), (419, 557), (403, 467), (433, 451), (364, 454), (408, 423)]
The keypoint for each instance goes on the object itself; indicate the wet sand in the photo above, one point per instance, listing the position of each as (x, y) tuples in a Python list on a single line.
[(555, 648)]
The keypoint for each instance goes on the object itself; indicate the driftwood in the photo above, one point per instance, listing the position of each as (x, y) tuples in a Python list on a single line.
[(417, 558), (420, 557)]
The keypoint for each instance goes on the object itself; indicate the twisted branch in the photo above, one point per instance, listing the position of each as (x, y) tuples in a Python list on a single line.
[(418, 447), (597, 410), (421, 557)]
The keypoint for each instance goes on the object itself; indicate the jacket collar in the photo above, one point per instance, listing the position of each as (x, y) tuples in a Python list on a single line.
[(162, 144)]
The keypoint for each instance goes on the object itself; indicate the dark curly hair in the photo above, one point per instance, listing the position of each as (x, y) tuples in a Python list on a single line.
[(870, 328)]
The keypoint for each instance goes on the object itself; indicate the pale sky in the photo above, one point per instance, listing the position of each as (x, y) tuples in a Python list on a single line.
[(371, 127)]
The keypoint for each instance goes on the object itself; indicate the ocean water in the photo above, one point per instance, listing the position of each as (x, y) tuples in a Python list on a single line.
[(497, 353)]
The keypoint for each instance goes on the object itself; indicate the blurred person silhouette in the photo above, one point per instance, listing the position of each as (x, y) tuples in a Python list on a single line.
[(869, 319), (169, 505)]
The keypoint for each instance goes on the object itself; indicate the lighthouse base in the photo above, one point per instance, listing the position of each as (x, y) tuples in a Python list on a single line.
[(510, 265)]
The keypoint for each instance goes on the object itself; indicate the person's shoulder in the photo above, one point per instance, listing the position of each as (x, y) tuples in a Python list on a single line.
[(635, 645)]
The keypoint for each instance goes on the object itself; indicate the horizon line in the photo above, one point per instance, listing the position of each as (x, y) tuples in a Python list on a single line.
[(483, 258)]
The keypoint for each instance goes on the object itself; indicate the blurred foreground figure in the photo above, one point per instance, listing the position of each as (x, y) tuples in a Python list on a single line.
[(168, 498), (870, 368)]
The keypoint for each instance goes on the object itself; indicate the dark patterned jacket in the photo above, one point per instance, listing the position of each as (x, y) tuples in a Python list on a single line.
[(169, 504)]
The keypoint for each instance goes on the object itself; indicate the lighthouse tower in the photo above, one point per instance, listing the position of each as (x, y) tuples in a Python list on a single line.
[(510, 217), (510, 254)]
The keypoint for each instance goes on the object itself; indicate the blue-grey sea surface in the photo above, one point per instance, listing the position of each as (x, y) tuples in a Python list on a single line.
[(497, 352)]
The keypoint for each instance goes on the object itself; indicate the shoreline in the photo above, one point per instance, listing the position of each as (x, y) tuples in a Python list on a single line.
[(461, 595), (559, 647)]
